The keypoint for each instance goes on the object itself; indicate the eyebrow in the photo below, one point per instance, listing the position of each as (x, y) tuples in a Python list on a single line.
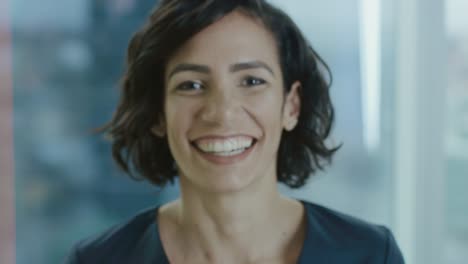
[(250, 65), (233, 68), (189, 67)]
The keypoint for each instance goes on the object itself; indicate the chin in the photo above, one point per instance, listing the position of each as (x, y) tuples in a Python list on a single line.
[(224, 182)]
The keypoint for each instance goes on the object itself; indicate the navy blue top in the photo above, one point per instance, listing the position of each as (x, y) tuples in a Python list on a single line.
[(331, 237)]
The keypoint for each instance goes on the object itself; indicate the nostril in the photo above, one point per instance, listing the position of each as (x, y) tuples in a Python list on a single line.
[(218, 114)]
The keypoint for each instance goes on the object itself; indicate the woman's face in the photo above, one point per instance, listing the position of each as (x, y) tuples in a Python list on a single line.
[(224, 111)]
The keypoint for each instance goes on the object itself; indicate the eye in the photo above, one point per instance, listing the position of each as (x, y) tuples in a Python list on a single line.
[(189, 86), (252, 81)]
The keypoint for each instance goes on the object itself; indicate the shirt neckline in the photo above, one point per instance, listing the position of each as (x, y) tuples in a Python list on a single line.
[(162, 257)]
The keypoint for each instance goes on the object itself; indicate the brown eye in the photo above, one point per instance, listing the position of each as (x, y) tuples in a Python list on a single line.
[(252, 81), (190, 86)]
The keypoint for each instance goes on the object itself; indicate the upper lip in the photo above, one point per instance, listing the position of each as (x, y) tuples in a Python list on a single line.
[(215, 136)]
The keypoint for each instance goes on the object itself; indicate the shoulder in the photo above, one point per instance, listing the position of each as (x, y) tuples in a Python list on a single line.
[(342, 228), (354, 238), (126, 242)]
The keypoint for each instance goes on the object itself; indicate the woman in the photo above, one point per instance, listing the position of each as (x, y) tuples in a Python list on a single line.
[(229, 96)]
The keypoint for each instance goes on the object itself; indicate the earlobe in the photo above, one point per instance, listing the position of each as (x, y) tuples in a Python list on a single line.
[(292, 106), (159, 130), (290, 125)]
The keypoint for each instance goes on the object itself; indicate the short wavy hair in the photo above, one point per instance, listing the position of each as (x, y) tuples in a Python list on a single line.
[(144, 155)]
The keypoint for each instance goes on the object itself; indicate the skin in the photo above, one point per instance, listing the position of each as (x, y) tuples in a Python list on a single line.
[(233, 212)]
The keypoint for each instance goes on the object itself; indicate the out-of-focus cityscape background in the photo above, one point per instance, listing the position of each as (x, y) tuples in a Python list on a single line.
[(400, 90)]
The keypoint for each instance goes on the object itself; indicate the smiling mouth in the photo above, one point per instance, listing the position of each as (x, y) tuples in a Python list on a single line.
[(224, 148)]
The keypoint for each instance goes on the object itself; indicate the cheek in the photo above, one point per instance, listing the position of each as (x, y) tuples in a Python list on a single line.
[(178, 111), (179, 119), (267, 108)]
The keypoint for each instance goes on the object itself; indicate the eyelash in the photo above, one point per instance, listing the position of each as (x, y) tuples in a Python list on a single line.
[(183, 86), (187, 86), (251, 78)]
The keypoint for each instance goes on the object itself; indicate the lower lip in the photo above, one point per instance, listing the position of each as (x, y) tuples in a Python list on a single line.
[(225, 160)]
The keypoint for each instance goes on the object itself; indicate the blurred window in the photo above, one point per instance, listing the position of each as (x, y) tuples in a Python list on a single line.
[(456, 133)]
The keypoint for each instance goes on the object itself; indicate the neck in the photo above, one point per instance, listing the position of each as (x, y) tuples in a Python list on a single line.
[(227, 216), (255, 222)]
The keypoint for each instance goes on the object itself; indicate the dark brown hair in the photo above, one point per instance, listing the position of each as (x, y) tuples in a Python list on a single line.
[(173, 22)]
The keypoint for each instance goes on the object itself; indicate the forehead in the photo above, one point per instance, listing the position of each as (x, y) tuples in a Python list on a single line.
[(234, 38)]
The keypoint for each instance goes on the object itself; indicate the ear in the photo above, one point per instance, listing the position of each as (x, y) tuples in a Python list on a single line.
[(292, 107), (159, 129)]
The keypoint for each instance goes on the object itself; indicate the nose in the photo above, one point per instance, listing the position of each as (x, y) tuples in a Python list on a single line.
[(220, 107)]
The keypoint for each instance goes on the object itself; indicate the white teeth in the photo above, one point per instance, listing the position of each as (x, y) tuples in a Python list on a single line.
[(229, 147), (232, 153)]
